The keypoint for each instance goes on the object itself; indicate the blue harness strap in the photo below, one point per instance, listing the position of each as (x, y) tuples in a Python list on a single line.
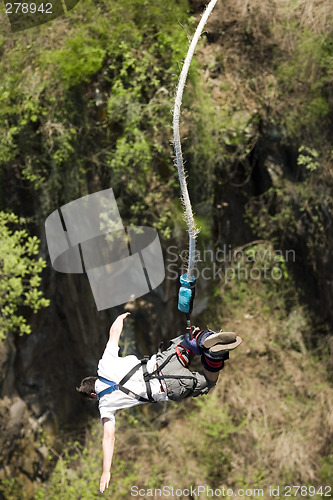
[(112, 387)]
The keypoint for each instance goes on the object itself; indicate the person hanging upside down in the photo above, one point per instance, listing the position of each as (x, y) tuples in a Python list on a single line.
[(126, 381)]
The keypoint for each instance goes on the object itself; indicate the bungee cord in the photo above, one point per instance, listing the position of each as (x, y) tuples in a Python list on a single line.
[(192, 229)]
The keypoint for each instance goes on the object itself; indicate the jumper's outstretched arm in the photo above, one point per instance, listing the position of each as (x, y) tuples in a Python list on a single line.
[(108, 447), (117, 328)]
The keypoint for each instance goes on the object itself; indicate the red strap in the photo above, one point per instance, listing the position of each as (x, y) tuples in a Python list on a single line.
[(214, 364), (191, 353), (197, 334), (179, 354)]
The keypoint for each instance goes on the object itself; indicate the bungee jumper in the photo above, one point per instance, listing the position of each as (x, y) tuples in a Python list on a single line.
[(124, 382)]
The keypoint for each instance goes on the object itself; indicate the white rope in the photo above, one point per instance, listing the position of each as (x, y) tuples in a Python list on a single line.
[(192, 229)]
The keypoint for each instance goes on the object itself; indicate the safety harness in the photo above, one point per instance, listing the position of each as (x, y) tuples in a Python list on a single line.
[(157, 374)]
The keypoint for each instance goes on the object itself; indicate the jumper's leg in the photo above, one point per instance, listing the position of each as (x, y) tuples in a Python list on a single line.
[(215, 342), (215, 347), (212, 377)]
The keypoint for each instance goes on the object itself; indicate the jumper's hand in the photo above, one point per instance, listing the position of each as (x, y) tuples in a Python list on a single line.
[(104, 483), (124, 315), (195, 330)]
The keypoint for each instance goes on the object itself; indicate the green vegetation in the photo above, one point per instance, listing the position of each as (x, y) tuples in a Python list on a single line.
[(94, 111), (311, 66), (12, 489), (288, 209), (19, 275)]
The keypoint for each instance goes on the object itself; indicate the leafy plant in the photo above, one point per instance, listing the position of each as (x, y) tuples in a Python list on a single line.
[(20, 278), (308, 157)]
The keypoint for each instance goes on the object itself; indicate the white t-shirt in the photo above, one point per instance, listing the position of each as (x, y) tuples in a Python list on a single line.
[(114, 368)]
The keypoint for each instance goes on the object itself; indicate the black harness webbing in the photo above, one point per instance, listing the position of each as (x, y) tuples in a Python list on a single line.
[(147, 377), (113, 386)]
